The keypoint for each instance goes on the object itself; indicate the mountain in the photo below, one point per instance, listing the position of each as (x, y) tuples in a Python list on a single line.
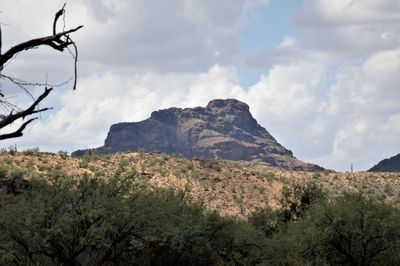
[(387, 165), (224, 129)]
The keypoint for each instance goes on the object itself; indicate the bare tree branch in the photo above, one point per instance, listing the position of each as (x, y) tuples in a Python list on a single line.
[(75, 56), (57, 16), (17, 133), (1, 41), (29, 111), (53, 41), (1, 44), (58, 41)]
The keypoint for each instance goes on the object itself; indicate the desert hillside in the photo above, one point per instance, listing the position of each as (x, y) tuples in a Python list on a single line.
[(225, 186)]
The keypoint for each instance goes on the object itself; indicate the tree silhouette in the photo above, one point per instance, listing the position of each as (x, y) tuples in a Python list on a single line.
[(59, 41)]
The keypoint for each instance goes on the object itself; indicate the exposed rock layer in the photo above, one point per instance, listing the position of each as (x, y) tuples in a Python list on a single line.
[(225, 129)]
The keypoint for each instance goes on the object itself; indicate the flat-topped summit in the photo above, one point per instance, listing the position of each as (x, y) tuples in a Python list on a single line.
[(228, 104), (224, 129)]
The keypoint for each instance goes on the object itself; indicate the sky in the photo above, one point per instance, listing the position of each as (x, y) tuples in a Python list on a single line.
[(322, 76)]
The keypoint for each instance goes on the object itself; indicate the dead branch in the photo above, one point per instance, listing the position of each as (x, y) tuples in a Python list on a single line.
[(9, 119), (1, 44), (26, 112), (17, 133), (57, 16), (58, 41), (1, 41), (75, 56), (53, 41)]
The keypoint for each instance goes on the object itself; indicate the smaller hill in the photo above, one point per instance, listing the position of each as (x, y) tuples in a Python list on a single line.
[(387, 165)]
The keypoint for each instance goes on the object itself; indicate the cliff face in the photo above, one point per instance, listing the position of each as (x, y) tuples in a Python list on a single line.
[(224, 129), (387, 165)]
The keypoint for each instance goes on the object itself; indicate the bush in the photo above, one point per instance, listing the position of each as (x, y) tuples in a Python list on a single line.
[(33, 151), (351, 230), (84, 164), (62, 154), (90, 221), (113, 221), (266, 220), (12, 150), (298, 198), (295, 201)]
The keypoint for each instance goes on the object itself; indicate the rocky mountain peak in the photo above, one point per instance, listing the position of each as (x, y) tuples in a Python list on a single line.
[(224, 129)]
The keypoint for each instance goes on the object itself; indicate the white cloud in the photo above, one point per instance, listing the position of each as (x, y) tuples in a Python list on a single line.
[(166, 36), (348, 29), (323, 13), (336, 32), (288, 93), (131, 36), (363, 104), (356, 102), (288, 42), (335, 120)]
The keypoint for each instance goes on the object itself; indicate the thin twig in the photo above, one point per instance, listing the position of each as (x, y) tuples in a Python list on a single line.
[(21, 86), (34, 84)]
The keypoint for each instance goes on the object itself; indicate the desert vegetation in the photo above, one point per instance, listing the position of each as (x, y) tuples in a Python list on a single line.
[(155, 209), (225, 186)]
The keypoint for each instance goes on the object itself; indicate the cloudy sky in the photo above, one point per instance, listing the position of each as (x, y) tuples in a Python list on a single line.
[(322, 76)]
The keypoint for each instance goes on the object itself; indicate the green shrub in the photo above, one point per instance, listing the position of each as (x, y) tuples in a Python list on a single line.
[(12, 150), (297, 199), (84, 164), (93, 222), (33, 151), (350, 230), (62, 154), (266, 220)]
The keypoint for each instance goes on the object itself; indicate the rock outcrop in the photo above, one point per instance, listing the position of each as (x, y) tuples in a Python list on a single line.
[(387, 165), (224, 129)]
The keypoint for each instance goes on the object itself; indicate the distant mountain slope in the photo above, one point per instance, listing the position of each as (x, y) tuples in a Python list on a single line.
[(387, 165), (224, 129)]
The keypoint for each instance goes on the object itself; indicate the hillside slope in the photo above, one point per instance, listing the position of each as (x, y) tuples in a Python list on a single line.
[(224, 186), (391, 164)]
